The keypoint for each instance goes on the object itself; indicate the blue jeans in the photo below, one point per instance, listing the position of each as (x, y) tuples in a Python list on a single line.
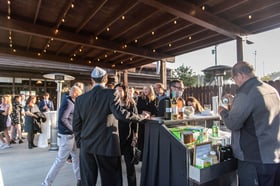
[(67, 146)]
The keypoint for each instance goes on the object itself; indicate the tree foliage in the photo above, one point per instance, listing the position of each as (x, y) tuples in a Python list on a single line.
[(185, 74)]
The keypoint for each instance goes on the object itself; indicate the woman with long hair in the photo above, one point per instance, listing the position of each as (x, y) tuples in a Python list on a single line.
[(16, 116), (146, 104), (192, 101), (30, 108), (127, 132), (6, 110)]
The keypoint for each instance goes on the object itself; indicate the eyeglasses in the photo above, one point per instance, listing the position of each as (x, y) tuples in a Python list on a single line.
[(179, 88)]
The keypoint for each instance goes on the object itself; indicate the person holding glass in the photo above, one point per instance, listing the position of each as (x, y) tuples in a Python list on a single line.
[(254, 121)]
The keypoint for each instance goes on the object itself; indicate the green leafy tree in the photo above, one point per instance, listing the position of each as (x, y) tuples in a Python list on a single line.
[(185, 74)]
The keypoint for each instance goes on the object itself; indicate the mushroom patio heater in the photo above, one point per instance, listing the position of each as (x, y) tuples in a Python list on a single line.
[(219, 71), (59, 78)]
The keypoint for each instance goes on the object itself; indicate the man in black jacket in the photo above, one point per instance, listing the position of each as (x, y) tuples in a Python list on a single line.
[(95, 126)]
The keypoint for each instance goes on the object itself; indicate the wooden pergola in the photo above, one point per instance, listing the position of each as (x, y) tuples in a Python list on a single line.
[(121, 34)]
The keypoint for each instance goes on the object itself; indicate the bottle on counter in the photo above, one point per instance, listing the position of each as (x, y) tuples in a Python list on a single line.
[(214, 157), (225, 151), (174, 106), (215, 129), (207, 162), (167, 107), (180, 105)]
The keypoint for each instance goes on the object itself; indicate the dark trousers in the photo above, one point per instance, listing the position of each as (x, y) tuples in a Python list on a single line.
[(256, 174), (30, 139), (141, 136), (130, 168), (109, 167)]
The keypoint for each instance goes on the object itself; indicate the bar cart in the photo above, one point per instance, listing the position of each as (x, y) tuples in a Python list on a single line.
[(167, 161)]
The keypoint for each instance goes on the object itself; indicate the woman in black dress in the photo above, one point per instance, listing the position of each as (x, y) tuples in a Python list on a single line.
[(127, 133), (30, 109), (146, 103), (15, 116)]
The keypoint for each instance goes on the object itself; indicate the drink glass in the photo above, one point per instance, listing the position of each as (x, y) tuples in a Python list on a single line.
[(207, 106), (188, 111)]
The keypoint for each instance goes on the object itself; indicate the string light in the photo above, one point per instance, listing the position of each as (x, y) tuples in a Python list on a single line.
[(62, 20), (203, 7)]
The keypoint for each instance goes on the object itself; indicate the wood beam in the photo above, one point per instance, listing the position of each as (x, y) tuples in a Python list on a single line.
[(116, 15), (134, 24), (37, 11), (194, 14), (91, 15), (77, 39)]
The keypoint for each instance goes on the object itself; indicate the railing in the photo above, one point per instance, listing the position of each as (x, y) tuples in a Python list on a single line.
[(205, 94)]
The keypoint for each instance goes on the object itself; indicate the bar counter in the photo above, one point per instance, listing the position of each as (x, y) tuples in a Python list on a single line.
[(166, 161)]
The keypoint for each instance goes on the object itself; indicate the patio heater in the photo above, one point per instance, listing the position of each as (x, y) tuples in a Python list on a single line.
[(219, 71), (59, 78)]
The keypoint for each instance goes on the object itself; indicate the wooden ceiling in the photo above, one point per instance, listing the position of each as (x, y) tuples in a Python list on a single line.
[(122, 34)]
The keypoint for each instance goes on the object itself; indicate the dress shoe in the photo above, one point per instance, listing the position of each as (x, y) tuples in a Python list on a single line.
[(79, 183)]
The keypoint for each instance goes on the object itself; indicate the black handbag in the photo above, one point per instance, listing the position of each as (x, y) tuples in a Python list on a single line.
[(36, 126)]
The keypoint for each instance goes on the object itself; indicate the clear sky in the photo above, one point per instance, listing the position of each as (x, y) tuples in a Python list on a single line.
[(265, 53)]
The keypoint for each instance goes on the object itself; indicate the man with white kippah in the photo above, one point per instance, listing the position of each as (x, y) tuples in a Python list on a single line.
[(95, 125)]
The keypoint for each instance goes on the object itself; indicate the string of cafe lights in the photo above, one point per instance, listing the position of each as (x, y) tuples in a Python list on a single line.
[(56, 30), (10, 37)]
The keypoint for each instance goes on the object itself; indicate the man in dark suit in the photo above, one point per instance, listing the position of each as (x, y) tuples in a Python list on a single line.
[(95, 126), (46, 105)]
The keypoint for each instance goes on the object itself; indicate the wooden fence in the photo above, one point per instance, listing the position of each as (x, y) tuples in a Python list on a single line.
[(205, 94)]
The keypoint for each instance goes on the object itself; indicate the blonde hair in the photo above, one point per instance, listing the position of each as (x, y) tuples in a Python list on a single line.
[(75, 89), (151, 96), (8, 99), (196, 104)]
